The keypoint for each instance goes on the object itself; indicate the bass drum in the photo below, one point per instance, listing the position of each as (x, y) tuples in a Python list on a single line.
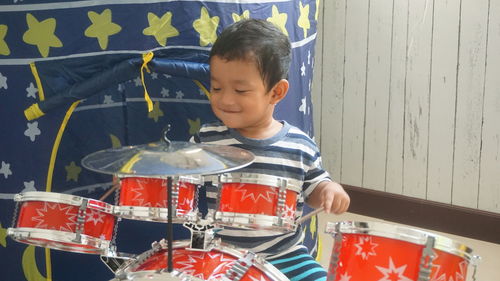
[(218, 263)]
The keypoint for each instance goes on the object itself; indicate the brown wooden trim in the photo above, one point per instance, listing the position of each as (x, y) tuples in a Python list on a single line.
[(467, 222)]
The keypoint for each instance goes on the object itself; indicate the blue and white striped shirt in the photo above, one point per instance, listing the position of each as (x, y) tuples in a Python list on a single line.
[(290, 154)]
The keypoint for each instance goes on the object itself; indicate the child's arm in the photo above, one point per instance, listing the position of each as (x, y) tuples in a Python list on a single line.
[(331, 196)]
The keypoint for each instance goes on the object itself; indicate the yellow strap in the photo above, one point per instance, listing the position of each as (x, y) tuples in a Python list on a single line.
[(50, 173), (127, 167), (33, 112), (146, 58), (203, 89), (48, 264), (41, 95)]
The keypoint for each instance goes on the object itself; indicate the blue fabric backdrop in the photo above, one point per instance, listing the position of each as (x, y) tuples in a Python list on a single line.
[(76, 45)]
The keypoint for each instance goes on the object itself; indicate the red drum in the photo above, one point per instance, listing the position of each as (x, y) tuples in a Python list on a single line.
[(373, 251), (254, 201), (64, 222), (146, 199), (219, 263)]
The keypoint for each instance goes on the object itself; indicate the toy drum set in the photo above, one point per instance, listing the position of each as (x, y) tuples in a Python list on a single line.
[(159, 182), (372, 251)]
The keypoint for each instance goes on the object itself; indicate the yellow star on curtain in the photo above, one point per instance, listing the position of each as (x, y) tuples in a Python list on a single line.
[(245, 15), (72, 171), (41, 34), (279, 19), (4, 48), (303, 21), (160, 28), (206, 27), (156, 113), (102, 27)]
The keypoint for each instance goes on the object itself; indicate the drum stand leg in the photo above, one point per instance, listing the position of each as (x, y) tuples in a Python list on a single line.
[(170, 228), (334, 261)]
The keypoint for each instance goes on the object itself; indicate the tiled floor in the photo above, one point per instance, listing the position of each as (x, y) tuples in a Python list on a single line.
[(487, 270)]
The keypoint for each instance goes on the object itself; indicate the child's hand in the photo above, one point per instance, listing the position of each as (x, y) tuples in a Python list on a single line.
[(331, 196)]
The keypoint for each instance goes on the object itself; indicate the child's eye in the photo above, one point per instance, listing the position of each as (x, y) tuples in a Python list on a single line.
[(240, 91), (215, 89)]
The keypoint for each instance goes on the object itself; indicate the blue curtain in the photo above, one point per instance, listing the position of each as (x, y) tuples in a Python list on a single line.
[(70, 85)]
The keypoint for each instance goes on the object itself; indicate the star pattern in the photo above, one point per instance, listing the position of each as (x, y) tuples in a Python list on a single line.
[(120, 88), (108, 99), (207, 266), (3, 81), (41, 34), (154, 75), (256, 194), (160, 28), (279, 19), (165, 92), (102, 27), (345, 277), (72, 171), (94, 216), (32, 131), (244, 15), (194, 126), (443, 275), (303, 104), (138, 81), (140, 190), (5, 169), (31, 90), (393, 273), (56, 216), (365, 247), (4, 48), (156, 113), (3, 236), (303, 21), (179, 95), (29, 186), (206, 26)]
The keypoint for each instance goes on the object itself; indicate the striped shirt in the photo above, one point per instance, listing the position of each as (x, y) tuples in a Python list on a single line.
[(290, 154)]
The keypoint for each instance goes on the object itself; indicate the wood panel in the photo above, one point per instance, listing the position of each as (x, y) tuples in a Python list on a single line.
[(417, 98), (332, 86), (442, 99), (397, 90), (489, 183), (377, 93), (354, 91), (470, 88)]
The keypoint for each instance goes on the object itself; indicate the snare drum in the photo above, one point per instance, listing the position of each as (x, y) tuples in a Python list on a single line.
[(218, 263), (255, 201), (146, 199), (63, 222), (372, 251)]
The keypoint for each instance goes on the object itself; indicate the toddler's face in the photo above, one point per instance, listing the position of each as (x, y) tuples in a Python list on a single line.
[(238, 94)]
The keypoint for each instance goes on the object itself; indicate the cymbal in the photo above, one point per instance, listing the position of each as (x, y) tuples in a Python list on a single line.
[(161, 159)]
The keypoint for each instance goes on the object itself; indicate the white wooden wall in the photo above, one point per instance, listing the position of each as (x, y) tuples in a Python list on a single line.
[(406, 97)]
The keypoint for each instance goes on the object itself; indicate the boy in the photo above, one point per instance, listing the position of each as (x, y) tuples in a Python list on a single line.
[(249, 64)]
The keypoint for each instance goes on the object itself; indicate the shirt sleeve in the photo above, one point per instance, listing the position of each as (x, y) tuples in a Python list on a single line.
[(314, 175)]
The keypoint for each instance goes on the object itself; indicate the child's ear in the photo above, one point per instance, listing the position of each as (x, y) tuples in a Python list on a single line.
[(279, 91)]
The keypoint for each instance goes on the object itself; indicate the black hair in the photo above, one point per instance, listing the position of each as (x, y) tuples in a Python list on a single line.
[(259, 40)]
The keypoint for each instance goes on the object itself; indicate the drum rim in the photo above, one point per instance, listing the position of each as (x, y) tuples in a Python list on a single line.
[(407, 234), (145, 213), (188, 178), (267, 268), (265, 222), (25, 234), (55, 197), (262, 179)]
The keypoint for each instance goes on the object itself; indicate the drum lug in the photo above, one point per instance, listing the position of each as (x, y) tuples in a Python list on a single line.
[(428, 256), (281, 201), (337, 246), (80, 220), (240, 267)]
